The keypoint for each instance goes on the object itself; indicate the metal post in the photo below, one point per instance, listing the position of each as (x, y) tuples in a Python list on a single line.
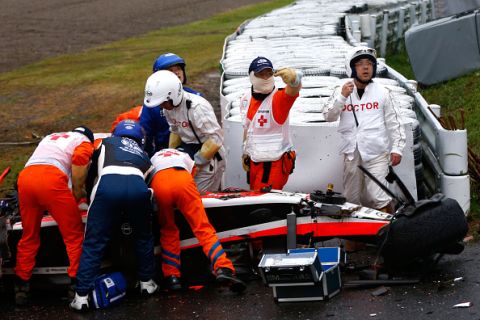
[(291, 230), (383, 41), (423, 12), (433, 14), (373, 30), (401, 18), (413, 14), (365, 26)]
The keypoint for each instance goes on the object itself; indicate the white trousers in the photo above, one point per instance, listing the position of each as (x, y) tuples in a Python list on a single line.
[(209, 177), (360, 189)]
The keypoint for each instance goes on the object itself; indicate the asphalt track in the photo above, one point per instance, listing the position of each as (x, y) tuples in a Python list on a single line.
[(34, 30), (433, 298)]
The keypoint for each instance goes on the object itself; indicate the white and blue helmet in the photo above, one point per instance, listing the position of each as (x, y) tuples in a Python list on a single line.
[(130, 129)]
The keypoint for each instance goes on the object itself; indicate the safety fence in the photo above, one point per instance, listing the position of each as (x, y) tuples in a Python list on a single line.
[(386, 28), (315, 40)]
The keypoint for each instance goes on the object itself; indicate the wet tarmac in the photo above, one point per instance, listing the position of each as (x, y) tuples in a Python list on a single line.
[(433, 298)]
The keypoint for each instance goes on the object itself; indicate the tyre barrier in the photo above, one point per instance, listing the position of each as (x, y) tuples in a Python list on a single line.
[(417, 132), (417, 153)]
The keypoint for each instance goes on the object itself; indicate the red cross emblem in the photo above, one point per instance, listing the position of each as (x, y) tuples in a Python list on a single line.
[(169, 153), (262, 120), (56, 136)]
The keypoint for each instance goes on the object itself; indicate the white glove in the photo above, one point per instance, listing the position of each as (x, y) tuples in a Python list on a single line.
[(200, 160)]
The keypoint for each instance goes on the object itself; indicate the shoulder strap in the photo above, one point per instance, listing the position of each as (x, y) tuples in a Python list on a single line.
[(189, 105), (353, 110)]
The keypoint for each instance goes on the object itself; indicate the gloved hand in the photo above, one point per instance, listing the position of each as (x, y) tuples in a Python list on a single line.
[(200, 160), (174, 140), (290, 76), (246, 162), (206, 153)]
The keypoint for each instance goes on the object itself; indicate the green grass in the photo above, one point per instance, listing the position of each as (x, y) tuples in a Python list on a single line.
[(453, 95), (92, 86)]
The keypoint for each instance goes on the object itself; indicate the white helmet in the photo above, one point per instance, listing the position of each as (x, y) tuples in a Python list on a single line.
[(162, 86), (357, 53)]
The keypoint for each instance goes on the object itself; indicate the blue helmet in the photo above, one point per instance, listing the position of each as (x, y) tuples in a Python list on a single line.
[(131, 129), (166, 60)]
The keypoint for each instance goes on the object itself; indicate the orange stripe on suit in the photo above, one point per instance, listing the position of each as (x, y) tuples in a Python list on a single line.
[(175, 188)]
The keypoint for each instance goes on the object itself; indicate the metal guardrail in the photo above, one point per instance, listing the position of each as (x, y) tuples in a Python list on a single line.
[(379, 30), (448, 146), (444, 167)]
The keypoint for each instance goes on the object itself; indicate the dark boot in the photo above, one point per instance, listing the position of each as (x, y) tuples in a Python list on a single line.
[(22, 292), (71, 288), (173, 283), (226, 277)]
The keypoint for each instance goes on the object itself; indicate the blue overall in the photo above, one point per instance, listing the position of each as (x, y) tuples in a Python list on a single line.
[(156, 128), (120, 165)]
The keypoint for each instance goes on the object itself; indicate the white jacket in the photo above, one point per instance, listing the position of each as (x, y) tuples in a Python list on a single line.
[(57, 149), (169, 158), (201, 116), (379, 125), (205, 124)]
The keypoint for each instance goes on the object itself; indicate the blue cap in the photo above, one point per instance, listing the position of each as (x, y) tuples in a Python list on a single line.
[(260, 63)]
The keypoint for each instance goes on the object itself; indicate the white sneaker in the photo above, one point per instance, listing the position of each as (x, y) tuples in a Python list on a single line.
[(79, 303), (148, 287)]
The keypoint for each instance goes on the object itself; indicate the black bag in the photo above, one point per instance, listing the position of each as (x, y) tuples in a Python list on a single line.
[(428, 227), (190, 148)]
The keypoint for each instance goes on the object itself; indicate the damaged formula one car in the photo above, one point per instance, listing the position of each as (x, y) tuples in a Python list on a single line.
[(250, 223), (238, 217)]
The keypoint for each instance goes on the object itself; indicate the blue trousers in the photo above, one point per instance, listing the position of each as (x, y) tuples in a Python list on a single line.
[(116, 194)]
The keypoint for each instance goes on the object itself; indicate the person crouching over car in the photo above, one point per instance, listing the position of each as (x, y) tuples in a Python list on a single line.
[(120, 166), (174, 187), (43, 185)]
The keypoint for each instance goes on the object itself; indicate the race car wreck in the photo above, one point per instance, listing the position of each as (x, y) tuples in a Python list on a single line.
[(250, 224)]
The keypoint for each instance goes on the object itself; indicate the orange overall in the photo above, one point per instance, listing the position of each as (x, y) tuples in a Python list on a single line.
[(280, 169), (132, 114), (44, 187), (175, 188)]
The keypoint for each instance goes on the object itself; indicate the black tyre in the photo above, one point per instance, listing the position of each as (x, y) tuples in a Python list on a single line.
[(417, 153), (430, 228)]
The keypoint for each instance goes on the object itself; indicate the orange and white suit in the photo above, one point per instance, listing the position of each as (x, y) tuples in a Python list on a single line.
[(45, 184), (174, 187), (267, 138)]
